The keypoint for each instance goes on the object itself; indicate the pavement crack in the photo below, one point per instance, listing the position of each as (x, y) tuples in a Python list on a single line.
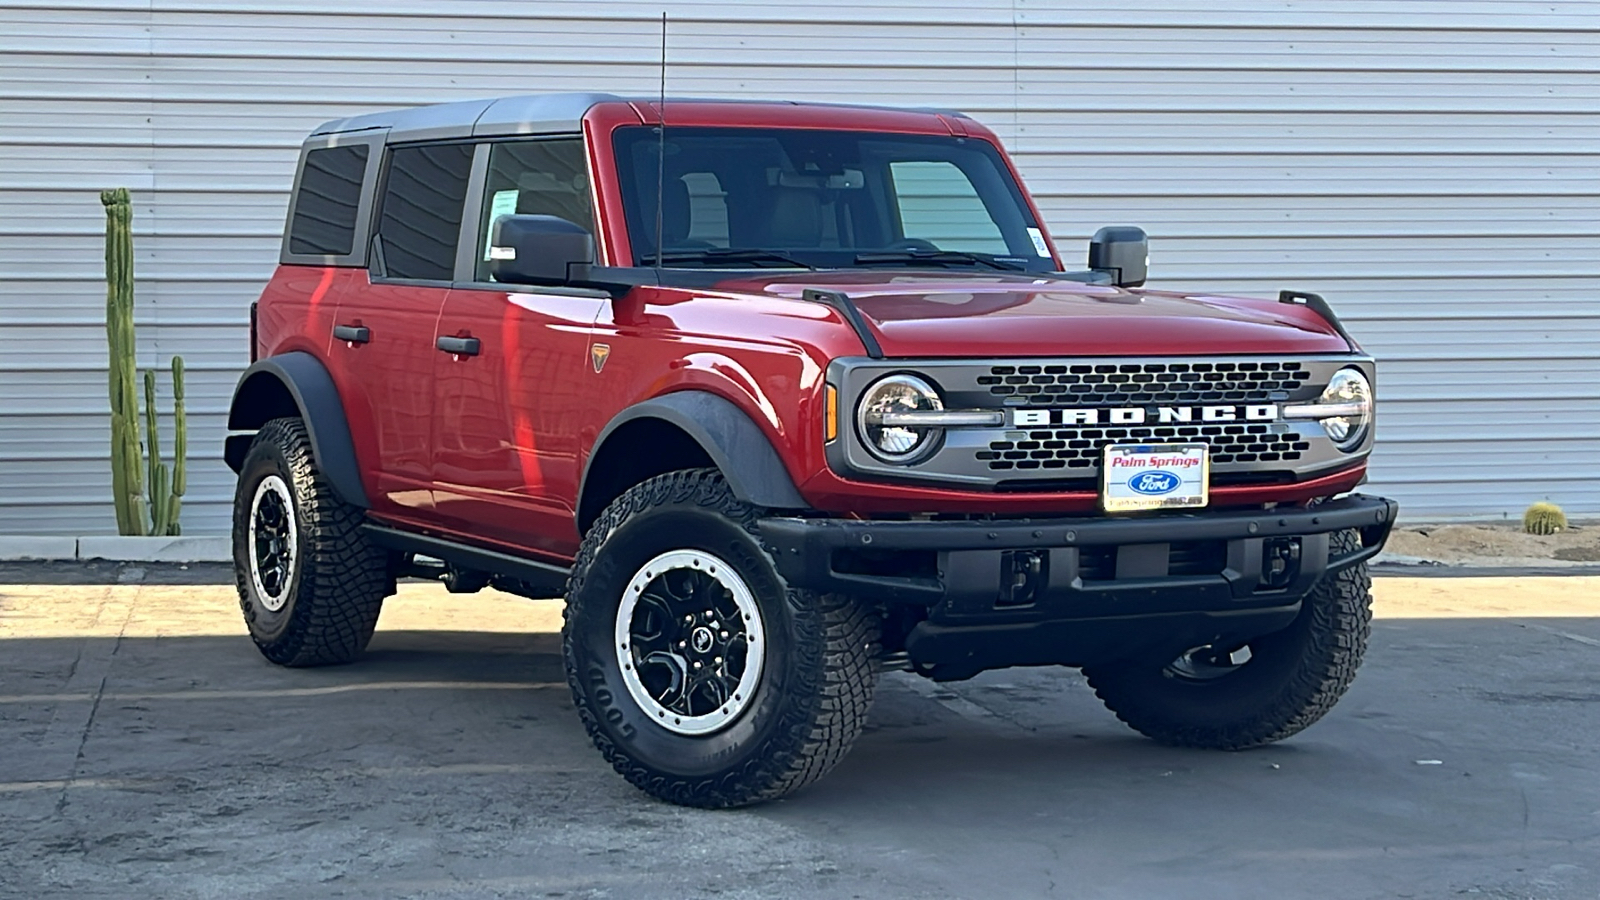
[(83, 740)]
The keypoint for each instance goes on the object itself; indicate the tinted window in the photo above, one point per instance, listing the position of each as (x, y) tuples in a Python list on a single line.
[(548, 177), (423, 196), (330, 190), (823, 198)]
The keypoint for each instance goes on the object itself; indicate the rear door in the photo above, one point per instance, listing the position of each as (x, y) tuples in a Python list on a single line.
[(385, 332), (505, 461)]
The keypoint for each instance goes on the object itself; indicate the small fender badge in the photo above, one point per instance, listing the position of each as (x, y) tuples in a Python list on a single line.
[(598, 354)]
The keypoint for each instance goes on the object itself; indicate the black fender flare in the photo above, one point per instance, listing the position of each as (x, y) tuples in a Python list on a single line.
[(737, 446), (316, 398)]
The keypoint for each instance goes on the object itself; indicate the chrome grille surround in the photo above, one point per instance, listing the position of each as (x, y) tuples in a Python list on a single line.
[(1067, 457)]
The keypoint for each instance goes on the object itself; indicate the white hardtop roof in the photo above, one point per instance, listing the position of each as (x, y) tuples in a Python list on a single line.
[(501, 116)]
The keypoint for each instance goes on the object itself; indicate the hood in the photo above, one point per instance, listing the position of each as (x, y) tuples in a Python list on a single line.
[(965, 315)]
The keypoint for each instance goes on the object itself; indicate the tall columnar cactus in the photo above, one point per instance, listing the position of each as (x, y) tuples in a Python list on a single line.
[(137, 514)]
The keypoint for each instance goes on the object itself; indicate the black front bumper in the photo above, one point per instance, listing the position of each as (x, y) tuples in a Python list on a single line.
[(1078, 591)]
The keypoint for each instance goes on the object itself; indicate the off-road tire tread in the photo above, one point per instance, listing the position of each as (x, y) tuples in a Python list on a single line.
[(1341, 610), (838, 644), (344, 577)]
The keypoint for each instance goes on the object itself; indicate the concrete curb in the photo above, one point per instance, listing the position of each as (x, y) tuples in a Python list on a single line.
[(185, 549), (19, 549)]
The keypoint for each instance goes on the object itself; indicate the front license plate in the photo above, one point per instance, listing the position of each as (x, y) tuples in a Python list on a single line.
[(1154, 476)]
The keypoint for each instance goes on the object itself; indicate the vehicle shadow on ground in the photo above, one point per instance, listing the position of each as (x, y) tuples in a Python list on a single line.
[(210, 691), (197, 761)]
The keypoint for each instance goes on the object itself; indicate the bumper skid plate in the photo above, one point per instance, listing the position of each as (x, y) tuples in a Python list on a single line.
[(1078, 591)]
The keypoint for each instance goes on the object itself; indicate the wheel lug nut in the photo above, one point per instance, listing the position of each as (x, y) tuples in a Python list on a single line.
[(697, 664), (683, 643)]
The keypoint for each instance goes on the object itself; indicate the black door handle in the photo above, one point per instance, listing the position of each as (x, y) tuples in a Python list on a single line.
[(460, 346), (355, 334)]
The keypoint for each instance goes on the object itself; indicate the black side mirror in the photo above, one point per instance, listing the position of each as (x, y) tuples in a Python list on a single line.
[(1123, 251), (539, 250)]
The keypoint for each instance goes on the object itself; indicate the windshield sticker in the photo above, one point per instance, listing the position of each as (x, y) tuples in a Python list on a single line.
[(1039, 245), (504, 203)]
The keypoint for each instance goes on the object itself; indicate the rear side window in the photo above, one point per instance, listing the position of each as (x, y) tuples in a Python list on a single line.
[(325, 210), (420, 224)]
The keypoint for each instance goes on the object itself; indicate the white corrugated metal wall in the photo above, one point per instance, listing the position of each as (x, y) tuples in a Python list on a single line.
[(1433, 166)]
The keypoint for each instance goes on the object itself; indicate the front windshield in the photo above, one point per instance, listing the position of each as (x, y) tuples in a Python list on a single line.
[(796, 198)]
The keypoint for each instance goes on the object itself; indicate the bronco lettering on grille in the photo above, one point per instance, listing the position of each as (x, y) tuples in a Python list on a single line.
[(1136, 415)]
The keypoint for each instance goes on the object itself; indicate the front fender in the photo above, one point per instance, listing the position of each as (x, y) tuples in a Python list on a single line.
[(290, 384), (731, 438)]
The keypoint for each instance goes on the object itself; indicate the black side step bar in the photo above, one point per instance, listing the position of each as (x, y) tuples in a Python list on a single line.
[(540, 576)]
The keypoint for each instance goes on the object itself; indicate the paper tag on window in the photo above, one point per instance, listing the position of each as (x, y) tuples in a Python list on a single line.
[(503, 203), (1039, 245)]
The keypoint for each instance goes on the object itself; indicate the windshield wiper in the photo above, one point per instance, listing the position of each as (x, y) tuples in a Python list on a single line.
[(933, 258), (728, 256)]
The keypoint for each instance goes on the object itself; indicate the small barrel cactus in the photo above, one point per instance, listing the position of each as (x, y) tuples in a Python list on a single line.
[(1544, 518)]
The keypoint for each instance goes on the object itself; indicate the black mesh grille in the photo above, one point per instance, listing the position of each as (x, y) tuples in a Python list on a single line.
[(1151, 384), (1079, 449), (1134, 384)]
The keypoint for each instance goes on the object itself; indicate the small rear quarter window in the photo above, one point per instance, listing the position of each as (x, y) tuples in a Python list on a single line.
[(324, 221)]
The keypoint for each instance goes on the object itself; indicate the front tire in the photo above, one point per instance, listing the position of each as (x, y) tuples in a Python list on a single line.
[(1228, 698), (310, 583), (700, 675)]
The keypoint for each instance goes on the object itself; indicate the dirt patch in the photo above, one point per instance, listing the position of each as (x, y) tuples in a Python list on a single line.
[(1494, 544)]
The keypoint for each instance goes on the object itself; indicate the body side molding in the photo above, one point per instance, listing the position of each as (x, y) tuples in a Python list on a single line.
[(316, 398)]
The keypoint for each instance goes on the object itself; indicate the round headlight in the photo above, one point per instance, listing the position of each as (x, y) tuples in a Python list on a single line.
[(1348, 386), (896, 394)]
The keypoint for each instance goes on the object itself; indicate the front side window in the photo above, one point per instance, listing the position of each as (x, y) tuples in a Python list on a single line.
[(324, 221), (542, 177), (826, 199), (423, 197)]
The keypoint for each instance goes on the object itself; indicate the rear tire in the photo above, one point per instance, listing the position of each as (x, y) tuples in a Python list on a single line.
[(310, 582), (700, 675), (1207, 698)]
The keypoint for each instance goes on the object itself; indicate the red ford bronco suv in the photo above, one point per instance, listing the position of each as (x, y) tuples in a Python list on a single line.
[(780, 396)]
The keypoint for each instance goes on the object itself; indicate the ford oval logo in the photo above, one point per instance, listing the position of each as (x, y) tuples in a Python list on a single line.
[(1154, 482)]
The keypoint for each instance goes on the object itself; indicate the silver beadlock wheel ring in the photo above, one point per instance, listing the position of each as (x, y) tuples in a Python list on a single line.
[(689, 641), (273, 539)]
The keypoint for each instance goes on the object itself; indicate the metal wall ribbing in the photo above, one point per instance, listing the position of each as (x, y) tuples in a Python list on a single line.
[(1432, 166)]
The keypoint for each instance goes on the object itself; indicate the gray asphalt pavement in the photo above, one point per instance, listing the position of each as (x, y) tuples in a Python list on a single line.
[(146, 750)]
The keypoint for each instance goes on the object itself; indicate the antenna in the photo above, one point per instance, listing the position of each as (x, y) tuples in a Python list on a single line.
[(661, 148)]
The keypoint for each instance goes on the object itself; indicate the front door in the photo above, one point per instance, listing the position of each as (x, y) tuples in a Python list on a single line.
[(505, 445), (385, 340), (505, 457)]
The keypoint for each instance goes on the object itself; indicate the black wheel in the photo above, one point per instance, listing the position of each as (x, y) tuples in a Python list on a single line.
[(1231, 698), (701, 676), (310, 583)]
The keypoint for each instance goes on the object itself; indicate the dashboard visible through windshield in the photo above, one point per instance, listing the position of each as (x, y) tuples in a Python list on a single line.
[(800, 198)]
